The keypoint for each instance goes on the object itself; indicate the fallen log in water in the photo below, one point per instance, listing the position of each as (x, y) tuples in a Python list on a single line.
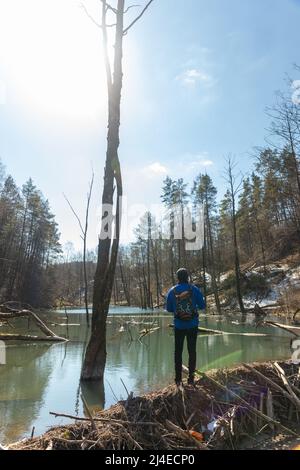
[(16, 337), (204, 331), (294, 330), (209, 331), (7, 312), (146, 332)]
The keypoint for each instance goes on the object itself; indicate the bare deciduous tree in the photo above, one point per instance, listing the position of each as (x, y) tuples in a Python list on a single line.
[(84, 233), (234, 188), (95, 357)]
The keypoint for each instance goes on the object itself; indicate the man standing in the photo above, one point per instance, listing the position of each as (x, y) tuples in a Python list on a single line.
[(184, 300)]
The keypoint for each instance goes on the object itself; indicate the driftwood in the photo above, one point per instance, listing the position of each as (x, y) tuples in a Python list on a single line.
[(294, 330), (105, 420), (270, 407), (290, 396), (74, 442), (290, 387), (246, 404), (295, 314), (146, 332), (7, 312), (209, 331), (13, 337)]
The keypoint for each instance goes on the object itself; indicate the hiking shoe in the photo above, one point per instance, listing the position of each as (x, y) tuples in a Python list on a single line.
[(191, 381), (179, 385)]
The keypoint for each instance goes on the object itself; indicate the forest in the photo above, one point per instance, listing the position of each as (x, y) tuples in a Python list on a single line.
[(29, 244), (255, 222)]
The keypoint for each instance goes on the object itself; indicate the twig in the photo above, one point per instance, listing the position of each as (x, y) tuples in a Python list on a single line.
[(137, 18), (290, 387), (136, 444), (90, 16), (108, 6), (106, 420), (128, 394), (115, 396), (74, 441), (270, 408), (130, 7)]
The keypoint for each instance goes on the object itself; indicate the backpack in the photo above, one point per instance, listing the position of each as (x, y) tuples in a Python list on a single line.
[(185, 310)]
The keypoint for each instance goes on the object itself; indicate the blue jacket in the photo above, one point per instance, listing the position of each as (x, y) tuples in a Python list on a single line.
[(198, 303)]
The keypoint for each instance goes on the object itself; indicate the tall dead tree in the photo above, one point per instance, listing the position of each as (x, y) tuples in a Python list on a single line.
[(234, 188), (95, 356)]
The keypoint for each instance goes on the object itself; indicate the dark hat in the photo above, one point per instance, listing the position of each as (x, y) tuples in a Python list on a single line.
[(183, 275)]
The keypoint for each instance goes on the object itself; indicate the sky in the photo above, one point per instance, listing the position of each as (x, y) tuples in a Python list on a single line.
[(198, 76)]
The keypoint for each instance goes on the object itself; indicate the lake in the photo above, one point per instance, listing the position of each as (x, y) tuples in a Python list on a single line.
[(41, 377)]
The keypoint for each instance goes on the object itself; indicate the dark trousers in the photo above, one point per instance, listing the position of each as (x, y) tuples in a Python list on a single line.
[(191, 337)]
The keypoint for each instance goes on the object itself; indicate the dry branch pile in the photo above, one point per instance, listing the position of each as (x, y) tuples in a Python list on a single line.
[(234, 404)]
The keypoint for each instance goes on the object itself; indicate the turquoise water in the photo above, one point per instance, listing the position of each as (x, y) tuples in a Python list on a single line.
[(41, 377)]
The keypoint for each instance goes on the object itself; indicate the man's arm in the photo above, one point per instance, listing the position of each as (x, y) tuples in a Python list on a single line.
[(200, 302), (170, 303)]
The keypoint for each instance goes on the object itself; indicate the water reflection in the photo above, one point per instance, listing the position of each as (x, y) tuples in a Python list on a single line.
[(39, 378), (94, 395)]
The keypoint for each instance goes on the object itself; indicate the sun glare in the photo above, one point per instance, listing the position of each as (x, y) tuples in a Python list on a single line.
[(52, 58)]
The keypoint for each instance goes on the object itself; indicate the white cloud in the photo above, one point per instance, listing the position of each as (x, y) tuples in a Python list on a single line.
[(201, 163), (198, 162), (194, 76), (205, 163), (155, 169), (185, 165)]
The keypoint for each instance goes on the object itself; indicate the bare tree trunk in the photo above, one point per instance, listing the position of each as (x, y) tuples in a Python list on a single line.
[(84, 233), (172, 248), (95, 357), (124, 283), (156, 270), (204, 267), (233, 192), (149, 238), (212, 258)]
